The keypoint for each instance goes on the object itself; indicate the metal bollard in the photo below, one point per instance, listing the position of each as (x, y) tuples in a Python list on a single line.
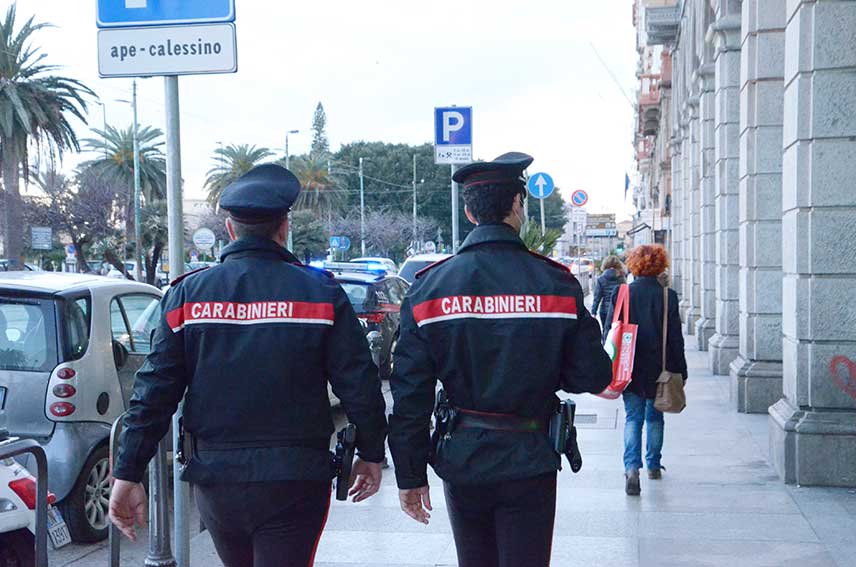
[(159, 553), (13, 447)]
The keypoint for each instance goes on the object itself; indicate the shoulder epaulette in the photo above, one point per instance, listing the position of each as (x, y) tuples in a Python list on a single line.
[(186, 274), (552, 262), (421, 272)]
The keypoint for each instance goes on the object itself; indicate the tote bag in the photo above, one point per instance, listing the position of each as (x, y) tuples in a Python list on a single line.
[(670, 397), (620, 345)]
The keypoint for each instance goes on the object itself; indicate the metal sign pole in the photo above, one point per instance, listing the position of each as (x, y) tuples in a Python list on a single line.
[(138, 231), (543, 226), (181, 491), (454, 211), (362, 211)]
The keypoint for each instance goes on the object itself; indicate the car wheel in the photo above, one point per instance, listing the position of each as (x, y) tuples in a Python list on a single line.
[(85, 509), (17, 549), (388, 365)]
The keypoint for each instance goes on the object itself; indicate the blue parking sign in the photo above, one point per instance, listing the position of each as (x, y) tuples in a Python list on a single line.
[(453, 134), (127, 13)]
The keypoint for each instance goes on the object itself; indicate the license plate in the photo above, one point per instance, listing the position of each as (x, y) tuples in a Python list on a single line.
[(57, 530)]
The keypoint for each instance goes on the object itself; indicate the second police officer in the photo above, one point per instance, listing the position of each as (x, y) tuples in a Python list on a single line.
[(251, 343), (503, 329)]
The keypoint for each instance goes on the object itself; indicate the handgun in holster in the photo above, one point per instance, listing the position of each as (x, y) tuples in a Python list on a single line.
[(563, 434), (185, 445), (444, 422), (343, 459)]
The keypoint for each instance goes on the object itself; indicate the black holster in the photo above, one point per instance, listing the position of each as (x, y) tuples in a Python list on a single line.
[(563, 434), (343, 459), (186, 445), (444, 422)]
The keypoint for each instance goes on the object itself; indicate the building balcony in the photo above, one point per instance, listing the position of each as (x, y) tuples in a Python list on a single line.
[(661, 24)]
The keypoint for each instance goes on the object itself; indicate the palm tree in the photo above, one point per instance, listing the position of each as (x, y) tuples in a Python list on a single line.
[(34, 107), (115, 165), (231, 162), (321, 190)]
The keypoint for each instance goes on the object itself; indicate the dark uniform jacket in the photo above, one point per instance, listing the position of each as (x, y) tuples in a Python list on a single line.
[(646, 311), (254, 342), (503, 329)]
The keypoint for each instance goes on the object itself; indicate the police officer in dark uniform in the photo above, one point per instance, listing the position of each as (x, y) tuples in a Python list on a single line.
[(503, 329), (251, 344)]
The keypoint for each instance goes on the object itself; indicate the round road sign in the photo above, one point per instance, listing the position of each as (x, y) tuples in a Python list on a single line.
[(204, 239), (540, 185), (579, 198)]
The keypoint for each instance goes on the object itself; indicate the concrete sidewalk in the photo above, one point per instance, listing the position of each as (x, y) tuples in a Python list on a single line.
[(719, 503)]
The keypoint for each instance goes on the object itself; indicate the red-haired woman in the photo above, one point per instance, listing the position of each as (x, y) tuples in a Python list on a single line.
[(646, 263)]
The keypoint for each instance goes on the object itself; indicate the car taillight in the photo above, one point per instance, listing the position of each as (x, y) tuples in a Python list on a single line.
[(66, 373), (25, 488), (64, 390), (62, 409)]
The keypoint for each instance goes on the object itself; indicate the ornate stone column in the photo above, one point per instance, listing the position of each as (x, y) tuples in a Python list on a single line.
[(676, 213), (756, 374), (705, 326), (813, 428), (725, 33), (692, 178)]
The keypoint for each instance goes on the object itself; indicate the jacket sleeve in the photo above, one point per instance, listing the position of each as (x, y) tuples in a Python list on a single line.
[(598, 296), (413, 383), (675, 359), (158, 388), (586, 367), (355, 380)]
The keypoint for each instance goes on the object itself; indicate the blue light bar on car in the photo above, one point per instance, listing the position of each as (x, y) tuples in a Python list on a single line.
[(356, 267)]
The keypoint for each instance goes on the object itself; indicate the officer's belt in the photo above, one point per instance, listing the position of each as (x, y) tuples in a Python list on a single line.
[(498, 421), (203, 445)]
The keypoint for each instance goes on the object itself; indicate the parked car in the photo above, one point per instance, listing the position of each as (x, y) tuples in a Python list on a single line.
[(6, 264), (418, 262), (69, 347), (376, 297), (384, 263)]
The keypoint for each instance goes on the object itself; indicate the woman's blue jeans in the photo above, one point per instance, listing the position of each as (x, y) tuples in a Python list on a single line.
[(640, 410)]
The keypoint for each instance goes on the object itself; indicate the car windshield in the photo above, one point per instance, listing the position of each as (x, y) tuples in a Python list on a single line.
[(27, 340), (409, 269), (359, 294)]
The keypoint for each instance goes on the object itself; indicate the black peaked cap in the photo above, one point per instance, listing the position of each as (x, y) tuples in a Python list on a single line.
[(507, 167), (264, 193)]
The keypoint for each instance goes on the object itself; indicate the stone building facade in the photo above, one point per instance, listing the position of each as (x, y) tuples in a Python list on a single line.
[(757, 123)]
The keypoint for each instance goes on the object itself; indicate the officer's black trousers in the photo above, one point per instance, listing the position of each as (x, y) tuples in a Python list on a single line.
[(265, 524), (506, 524)]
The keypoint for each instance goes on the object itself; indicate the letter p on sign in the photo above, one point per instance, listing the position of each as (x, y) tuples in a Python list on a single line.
[(452, 122)]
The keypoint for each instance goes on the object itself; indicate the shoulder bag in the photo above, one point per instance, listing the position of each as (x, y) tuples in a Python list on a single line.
[(671, 397)]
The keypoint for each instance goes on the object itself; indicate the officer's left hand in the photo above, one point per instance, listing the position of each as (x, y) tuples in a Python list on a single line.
[(365, 480)]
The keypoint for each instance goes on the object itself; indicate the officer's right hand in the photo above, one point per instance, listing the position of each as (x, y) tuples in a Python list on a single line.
[(128, 507), (365, 480), (416, 503)]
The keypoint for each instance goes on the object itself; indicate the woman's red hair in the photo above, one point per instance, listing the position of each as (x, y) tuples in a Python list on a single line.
[(648, 260)]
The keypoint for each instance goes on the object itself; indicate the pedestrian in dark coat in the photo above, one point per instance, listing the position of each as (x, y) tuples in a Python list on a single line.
[(646, 263), (604, 287)]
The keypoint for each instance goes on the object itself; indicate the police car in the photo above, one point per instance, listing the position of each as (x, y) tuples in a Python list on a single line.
[(70, 345), (376, 296)]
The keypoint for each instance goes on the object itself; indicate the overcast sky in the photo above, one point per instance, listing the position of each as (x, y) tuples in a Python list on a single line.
[(528, 69)]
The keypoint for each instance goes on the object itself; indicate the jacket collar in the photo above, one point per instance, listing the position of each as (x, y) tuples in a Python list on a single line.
[(490, 233), (257, 246)]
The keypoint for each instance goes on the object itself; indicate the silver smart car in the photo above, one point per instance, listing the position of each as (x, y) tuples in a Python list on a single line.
[(69, 347)]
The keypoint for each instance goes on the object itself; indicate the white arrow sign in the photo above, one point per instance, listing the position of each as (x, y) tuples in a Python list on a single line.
[(540, 183)]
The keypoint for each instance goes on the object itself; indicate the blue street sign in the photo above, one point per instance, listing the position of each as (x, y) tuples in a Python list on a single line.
[(579, 198), (344, 243), (540, 185), (453, 126), (128, 13), (334, 242)]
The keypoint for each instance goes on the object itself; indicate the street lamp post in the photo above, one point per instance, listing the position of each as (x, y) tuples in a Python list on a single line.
[(362, 211), (138, 272), (288, 167)]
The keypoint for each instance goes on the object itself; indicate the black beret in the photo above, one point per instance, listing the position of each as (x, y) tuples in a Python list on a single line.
[(506, 168), (264, 193)]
